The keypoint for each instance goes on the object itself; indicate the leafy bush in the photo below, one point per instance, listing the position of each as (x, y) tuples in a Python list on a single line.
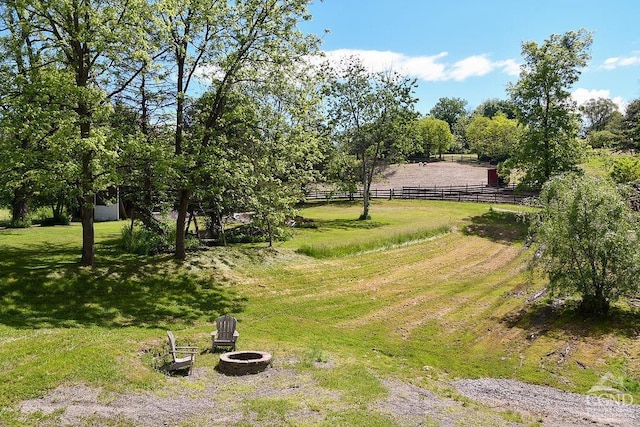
[(588, 241), (56, 220), (625, 170), (143, 241), (20, 223), (251, 233)]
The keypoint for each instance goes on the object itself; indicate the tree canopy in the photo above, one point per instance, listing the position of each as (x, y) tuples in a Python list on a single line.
[(369, 114), (433, 136), (493, 139), (544, 106), (450, 110), (102, 66)]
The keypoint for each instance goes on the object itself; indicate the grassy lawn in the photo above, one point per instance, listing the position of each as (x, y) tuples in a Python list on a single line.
[(426, 292)]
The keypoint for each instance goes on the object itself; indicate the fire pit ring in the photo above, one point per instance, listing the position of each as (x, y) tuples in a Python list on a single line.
[(244, 362)]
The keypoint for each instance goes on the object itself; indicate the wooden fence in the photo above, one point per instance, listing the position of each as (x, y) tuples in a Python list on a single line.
[(466, 193)]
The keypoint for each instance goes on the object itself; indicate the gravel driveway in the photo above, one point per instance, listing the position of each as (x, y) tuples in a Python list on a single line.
[(208, 398)]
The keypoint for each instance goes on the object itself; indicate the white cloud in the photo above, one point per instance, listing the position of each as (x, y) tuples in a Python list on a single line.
[(582, 95), (509, 66), (477, 65), (428, 68), (617, 62)]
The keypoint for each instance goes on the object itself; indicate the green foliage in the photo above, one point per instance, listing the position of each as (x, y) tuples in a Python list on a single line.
[(625, 170), (631, 125), (493, 139), (344, 172), (603, 139), (20, 223), (143, 241), (450, 110), (494, 106), (433, 136), (369, 115), (544, 106), (598, 114), (588, 241)]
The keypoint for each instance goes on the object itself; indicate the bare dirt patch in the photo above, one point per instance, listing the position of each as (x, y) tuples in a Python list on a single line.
[(439, 174)]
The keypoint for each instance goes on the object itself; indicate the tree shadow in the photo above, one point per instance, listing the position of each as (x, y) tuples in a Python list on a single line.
[(542, 318), (43, 286), (499, 226)]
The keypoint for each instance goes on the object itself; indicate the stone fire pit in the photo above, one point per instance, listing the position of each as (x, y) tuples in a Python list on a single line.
[(244, 362)]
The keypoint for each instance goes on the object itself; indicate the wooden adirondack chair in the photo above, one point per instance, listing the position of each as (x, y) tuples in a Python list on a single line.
[(181, 362), (226, 334)]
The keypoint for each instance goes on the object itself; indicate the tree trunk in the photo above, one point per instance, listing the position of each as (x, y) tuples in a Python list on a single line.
[(86, 206), (366, 187), (88, 234), (183, 205), (19, 206)]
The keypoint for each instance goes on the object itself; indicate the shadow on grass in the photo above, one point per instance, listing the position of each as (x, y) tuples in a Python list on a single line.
[(43, 286), (499, 226), (543, 317)]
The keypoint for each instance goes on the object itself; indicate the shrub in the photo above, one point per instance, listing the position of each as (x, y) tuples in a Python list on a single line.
[(625, 170), (20, 223), (588, 241), (143, 241)]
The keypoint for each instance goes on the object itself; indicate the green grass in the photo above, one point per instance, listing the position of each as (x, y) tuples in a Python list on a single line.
[(601, 161), (425, 307)]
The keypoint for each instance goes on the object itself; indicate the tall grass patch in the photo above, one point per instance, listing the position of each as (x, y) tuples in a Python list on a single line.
[(338, 249)]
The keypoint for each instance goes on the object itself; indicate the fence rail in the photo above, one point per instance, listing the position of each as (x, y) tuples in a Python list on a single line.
[(466, 193)]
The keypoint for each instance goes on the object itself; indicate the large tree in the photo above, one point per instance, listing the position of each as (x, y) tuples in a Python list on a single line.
[(450, 110), (493, 139), (493, 106), (98, 42), (631, 125), (545, 108), (34, 115), (369, 114), (232, 44), (433, 136), (598, 113)]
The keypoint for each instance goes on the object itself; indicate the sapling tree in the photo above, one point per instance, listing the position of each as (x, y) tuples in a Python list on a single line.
[(369, 114)]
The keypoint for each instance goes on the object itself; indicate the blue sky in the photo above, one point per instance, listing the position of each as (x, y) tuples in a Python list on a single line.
[(471, 49)]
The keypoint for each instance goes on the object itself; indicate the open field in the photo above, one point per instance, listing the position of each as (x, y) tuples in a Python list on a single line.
[(377, 337)]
